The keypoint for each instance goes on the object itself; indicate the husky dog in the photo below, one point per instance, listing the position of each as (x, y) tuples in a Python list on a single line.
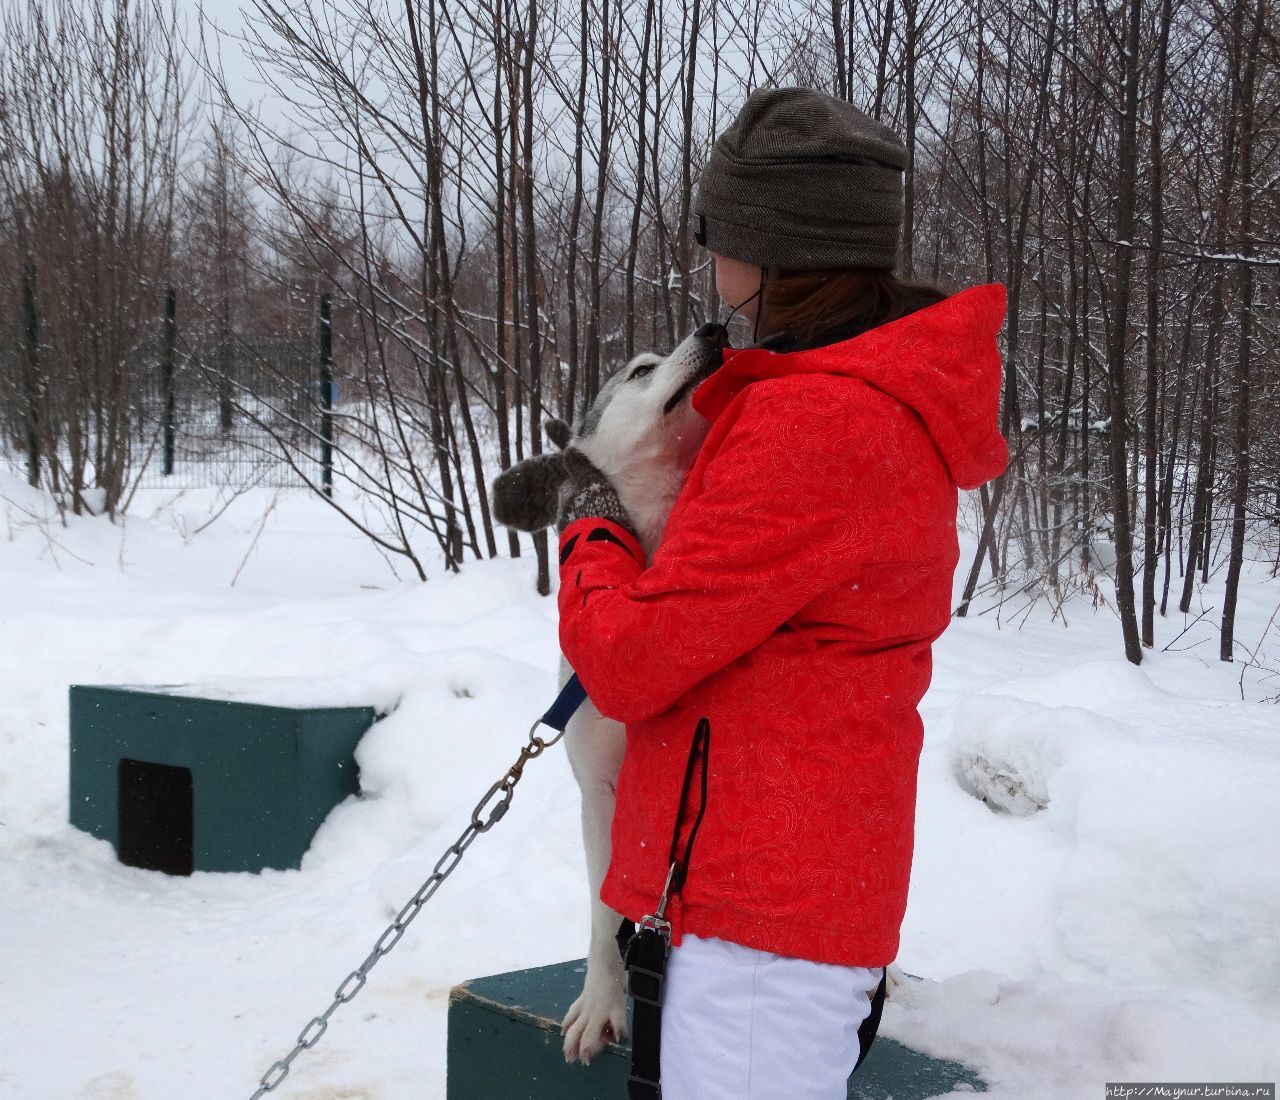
[(643, 433)]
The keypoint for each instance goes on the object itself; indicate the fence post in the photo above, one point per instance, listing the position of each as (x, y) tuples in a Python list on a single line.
[(326, 395), (32, 373), (170, 339)]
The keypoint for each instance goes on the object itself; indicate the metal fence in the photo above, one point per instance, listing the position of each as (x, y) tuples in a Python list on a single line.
[(209, 407), (234, 410)]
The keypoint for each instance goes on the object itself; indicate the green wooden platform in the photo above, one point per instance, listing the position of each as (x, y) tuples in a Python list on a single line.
[(504, 1041)]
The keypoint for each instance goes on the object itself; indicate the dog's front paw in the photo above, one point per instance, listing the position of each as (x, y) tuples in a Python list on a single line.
[(594, 1020), (897, 979)]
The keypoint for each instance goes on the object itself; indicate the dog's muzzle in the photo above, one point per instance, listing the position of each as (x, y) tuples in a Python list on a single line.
[(714, 339)]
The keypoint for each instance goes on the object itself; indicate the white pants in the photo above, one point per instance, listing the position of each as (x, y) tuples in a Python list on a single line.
[(742, 1024)]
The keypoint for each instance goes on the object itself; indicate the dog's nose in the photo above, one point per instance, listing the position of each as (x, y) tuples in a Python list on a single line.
[(713, 333)]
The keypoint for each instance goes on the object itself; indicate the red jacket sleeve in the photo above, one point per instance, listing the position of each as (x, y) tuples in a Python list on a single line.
[(791, 503)]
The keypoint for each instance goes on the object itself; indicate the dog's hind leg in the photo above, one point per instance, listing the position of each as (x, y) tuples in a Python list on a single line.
[(599, 1016)]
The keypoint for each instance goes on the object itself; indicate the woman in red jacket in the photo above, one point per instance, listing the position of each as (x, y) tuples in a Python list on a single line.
[(802, 577)]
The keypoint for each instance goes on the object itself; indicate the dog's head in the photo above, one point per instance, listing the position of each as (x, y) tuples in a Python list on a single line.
[(641, 431)]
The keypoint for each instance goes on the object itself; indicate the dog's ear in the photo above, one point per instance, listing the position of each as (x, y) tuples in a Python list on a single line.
[(558, 432), (527, 496)]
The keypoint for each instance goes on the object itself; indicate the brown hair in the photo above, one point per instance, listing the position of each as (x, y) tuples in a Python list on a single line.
[(801, 307)]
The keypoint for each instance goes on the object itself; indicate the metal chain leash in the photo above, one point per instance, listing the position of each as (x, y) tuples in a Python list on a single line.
[(483, 818)]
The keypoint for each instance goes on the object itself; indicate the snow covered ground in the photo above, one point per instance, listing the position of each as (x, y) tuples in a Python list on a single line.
[(1119, 924)]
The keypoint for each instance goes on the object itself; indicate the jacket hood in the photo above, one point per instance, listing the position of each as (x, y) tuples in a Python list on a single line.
[(942, 361)]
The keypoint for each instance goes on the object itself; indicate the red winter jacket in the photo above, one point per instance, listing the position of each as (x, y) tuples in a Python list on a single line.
[(802, 577)]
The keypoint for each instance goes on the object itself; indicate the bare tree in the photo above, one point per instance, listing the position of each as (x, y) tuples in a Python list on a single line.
[(91, 114), (497, 200)]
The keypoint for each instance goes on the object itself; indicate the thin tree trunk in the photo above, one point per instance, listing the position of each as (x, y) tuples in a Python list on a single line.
[(1242, 387), (911, 33), (501, 314), (633, 240), (531, 283), (1200, 506), (1150, 549), (593, 337), (686, 165), (837, 39), (575, 215), (1117, 338), (1175, 439), (31, 346)]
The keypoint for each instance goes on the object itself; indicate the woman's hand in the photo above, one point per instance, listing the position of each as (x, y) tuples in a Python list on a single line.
[(587, 492)]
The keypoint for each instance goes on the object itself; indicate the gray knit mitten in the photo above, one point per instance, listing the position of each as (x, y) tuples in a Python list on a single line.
[(587, 492)]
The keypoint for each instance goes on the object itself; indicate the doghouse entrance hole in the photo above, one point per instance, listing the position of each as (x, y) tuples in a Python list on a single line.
[(156, 821)]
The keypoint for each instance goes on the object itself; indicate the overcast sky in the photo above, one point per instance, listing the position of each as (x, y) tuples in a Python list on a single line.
[(228, 15)]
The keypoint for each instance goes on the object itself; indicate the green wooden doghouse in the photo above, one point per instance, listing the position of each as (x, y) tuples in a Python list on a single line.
[(181, 783)]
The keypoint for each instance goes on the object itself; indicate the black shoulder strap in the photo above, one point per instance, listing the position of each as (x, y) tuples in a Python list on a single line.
[(697, 751)]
